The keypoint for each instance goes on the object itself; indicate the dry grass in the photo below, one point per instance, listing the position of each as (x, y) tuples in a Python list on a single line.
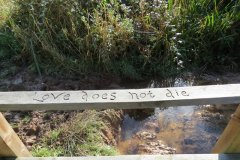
[(6, 7), (133, 40), (80, 136)]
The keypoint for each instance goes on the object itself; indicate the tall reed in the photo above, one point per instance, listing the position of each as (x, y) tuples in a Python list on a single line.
[(130, 38)]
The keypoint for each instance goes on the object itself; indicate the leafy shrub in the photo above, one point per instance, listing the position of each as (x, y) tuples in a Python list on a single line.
[(130, 38), (83, 36)]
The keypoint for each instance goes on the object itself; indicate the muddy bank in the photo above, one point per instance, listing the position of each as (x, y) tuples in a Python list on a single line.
[(25, 81), (33, 127), (187, 129)]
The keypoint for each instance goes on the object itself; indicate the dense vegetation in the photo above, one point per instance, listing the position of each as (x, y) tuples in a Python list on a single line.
[(129, 38)]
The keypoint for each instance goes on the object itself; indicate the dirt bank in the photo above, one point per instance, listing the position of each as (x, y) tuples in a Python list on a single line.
[(33, 127), (133, 132)]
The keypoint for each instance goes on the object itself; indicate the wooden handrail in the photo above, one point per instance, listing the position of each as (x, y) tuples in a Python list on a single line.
[(120, 99), (11, 145)]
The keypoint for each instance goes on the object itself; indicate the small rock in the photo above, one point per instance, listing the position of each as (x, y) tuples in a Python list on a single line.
[(8, 115), (16, 117), (16, 129), (155, 148), (32, 130), (151, 125), (31, 140), (17, 81), (146, 135)]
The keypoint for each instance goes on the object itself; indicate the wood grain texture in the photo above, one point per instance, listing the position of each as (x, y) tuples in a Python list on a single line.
[(10, 144), (120, 99), (148, 157), (229, 141)]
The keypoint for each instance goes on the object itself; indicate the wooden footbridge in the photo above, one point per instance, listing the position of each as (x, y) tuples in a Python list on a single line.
[(227, 147)]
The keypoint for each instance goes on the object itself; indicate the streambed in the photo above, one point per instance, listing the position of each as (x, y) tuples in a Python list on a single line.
[(185, 129), (182, 129)]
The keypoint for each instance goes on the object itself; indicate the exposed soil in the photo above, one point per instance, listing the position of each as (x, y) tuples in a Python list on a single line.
[(31, 127), (25, 81), (148, 133)]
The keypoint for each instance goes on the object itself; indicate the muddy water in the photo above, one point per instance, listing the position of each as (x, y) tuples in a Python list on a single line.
[(187, 129)]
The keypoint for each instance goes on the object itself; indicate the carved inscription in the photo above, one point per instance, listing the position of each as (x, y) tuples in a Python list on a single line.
[(141, 95), (52, 96), (175, 93), (106, 96), (86, 96)]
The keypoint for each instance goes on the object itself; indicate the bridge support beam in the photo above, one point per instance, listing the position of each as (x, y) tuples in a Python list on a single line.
[(10, 143), (229, 141)]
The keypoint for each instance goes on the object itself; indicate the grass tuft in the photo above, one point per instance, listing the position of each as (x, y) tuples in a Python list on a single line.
[(81, 136)]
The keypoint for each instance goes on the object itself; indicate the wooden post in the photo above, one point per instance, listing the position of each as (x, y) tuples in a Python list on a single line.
[(10, 143), (229, 141)]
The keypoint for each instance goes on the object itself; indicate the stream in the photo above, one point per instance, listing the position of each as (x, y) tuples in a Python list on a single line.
[(178, 129)]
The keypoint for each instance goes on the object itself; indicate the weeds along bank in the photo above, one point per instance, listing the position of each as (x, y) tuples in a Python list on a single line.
[(48, 134), (87, 133), (130, 38), (65, 133)]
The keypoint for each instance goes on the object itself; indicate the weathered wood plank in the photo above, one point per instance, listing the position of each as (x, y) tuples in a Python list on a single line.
[(120, 99), (10, 144), (229, 141), (147, 157)]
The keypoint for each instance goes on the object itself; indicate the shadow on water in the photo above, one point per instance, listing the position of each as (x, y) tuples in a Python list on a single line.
[(187, 129)]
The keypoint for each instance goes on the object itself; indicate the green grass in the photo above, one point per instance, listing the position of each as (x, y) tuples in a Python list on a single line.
[(211, 33), (6, 7), (136, 40), (81, 136), (97, 150), (8, 44), (9, 56), (47, 152)]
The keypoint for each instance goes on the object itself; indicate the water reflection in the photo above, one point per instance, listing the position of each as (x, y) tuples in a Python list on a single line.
[(188, 129)]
